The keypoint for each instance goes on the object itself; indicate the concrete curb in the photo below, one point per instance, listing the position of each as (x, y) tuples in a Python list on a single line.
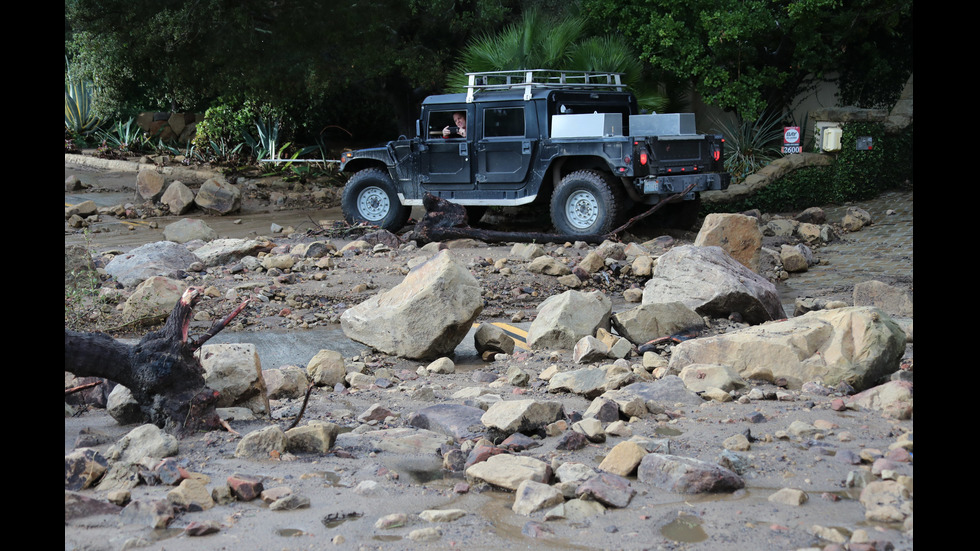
[(182, 173)]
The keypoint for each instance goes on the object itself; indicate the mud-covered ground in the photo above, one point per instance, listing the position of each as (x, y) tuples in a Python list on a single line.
[(342, 518)]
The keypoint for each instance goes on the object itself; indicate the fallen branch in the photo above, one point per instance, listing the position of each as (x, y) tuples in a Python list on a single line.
[(79, 388), (309, 389)]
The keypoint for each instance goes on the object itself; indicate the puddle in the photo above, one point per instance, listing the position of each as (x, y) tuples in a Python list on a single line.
[(422, 470), (667, 431), (510, 526), (161, 534), (330, 478), (684, 529), (290, 532)]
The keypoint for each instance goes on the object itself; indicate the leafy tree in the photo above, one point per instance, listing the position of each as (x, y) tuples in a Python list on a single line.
[(312, 63), (750, 56)]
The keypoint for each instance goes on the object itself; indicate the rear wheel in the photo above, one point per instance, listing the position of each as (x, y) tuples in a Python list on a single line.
[(370, 196), (585, 203)]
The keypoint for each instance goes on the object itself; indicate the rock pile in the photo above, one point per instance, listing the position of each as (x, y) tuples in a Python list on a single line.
[(704, 330)]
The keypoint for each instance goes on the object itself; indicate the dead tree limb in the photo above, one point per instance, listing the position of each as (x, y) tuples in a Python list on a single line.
[(79, 388), (161, 371), (445, 220)]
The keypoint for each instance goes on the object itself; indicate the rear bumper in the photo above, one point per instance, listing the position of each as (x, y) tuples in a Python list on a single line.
[(668, 185)]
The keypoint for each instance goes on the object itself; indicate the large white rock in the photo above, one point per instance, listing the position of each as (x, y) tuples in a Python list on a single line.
[(710, 282), (858, 345), (739, 235), (564, 319), (424, 317), (234, 370)]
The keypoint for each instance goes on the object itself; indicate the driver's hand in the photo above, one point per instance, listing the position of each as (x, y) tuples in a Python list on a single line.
[(445, 132), (462, 132)]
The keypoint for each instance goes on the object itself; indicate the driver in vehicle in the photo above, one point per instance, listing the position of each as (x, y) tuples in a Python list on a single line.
[(459, 131)]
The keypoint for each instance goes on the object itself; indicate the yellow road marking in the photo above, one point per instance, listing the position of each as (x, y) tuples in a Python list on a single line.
[(517, 334)]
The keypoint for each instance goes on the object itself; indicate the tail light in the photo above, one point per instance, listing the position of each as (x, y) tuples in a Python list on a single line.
[(644, 157)]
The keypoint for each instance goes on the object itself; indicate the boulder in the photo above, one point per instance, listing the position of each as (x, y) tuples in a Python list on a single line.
[(686, 475), (712, 283), (490, 338), (189, 229), (154, 297), (149, 184), (234, 370), (179, 198), (509, 471), (424, 317), (654, 320), (224, 251), (739, 235), (856, 345), (160, 258), (219, 197), (564, 319), (524, 416)]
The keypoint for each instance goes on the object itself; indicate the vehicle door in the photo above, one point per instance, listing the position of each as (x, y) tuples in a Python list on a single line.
[(445, 162), (506, 143)]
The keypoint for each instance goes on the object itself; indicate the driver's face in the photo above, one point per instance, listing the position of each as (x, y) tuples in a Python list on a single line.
[(460, 120)]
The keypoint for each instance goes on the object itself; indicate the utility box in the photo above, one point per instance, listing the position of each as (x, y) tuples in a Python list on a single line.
[(587, 125), (666, 124), (828, 136)]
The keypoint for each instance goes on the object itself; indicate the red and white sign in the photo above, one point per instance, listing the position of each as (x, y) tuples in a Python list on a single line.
[(791, 140)]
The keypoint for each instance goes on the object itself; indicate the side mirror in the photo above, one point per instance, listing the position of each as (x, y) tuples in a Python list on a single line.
[(418, 128)]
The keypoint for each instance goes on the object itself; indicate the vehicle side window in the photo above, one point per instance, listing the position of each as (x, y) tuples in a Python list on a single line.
[(437, 121), (503, 122)]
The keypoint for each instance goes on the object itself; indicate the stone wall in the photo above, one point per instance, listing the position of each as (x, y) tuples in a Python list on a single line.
[(169, 126)]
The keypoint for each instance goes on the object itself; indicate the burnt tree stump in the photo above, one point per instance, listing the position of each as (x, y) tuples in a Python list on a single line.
[(161, 371)]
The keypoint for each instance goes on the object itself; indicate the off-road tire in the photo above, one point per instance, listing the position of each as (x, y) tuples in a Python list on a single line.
[(585, 202), (370, 197)]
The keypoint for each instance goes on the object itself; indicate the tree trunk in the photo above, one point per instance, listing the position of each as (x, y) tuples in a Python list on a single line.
[(161, 371)]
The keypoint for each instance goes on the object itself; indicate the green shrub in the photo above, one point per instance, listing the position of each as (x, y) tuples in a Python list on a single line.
[(225, 122)]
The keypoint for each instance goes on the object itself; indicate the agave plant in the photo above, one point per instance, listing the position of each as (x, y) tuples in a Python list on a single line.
[(266, 144), (123, 137), (80, 117), (750, 145)]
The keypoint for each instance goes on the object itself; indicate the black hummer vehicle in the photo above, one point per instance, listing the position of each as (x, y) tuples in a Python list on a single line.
[(575, 140)]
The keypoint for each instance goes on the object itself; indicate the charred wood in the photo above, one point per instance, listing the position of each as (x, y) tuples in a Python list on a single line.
[(161, 370)]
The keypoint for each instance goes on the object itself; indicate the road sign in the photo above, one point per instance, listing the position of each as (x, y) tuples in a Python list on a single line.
[(791, 140)]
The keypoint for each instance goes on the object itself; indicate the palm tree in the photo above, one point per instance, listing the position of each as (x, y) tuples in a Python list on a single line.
[(538, 42)]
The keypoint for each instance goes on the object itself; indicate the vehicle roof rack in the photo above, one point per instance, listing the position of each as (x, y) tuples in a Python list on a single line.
[(528, 79)]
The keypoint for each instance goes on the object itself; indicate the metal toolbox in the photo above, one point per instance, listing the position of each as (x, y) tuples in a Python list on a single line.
[(666, 124), (587, 125)]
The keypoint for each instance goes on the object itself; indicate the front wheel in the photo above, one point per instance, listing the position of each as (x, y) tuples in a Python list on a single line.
[(370, 196), (584, 203)]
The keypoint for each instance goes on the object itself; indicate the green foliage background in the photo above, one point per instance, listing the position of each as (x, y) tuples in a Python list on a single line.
[(854, 175), (323, 69)]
